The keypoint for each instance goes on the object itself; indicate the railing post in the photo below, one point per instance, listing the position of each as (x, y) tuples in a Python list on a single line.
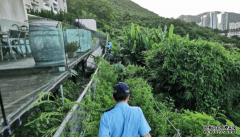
[(2, 108), (83, 66), (61, 88), (177, 133)]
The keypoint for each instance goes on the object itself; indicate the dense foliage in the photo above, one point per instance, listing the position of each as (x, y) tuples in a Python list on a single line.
[(128, 12), (111, 15), (100, 10), (61, 16), (197, 74), (202, 77), (52, 110), (189, 123), (72, 47), (135, 41)]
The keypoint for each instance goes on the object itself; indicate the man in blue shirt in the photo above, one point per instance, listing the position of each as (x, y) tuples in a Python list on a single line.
[(109, 46), (123, 120)]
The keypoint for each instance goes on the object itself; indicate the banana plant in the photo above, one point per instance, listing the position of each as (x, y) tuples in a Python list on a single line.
[(116, 48), (160, 34), (133, 44)]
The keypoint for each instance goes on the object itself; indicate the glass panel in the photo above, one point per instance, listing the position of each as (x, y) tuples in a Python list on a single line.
[(33, 60)]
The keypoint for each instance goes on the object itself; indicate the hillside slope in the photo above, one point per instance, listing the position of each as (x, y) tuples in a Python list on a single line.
[(123, 6), (128, 12), (193, 18)]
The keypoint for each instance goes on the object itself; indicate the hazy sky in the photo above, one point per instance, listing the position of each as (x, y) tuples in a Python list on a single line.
[(175, 8)]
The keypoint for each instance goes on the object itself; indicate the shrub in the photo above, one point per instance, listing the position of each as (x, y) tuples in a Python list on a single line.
[(197, 74), (141, 95), (72, 47)]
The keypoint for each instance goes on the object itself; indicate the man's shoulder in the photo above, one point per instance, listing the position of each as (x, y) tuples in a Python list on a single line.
[(121, 65), (134, 107), (108, 110)]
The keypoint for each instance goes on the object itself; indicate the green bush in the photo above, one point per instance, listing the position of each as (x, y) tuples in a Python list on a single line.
[(72, 47), (141, 95), (50, 113), (197, 74)]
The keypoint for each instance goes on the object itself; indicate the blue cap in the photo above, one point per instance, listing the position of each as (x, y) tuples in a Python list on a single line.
[(121, 85)]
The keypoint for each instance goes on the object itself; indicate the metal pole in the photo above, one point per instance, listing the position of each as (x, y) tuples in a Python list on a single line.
[(177, 133), (83, 66), (62, 93), (66, 65), (2, 108), (79, 37)]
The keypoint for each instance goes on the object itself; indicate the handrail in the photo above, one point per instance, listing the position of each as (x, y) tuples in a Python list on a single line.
[(68, 117), (178, 134)]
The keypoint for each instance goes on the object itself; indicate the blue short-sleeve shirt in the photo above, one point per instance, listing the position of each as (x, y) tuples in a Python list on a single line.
[(123, 121), (109, 45)]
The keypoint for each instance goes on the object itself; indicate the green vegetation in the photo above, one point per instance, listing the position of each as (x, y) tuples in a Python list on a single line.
[(50, 113), (61, 16), (166, 78), (191, 72), (111, 15), (199, 75), (128, 12), (190, 123), (72, 47)]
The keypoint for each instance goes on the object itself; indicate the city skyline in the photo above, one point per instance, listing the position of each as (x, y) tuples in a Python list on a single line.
[(176, 8), (214, 20)]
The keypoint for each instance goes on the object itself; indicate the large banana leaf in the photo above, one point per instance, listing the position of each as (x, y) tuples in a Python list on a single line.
[(165, 28), (125, 30), (151, 42), (133, 32), (125, 47), (156, 36), (171, 31), (161, 35), (138, 29), (126, 33), (134, 46), (137, 36), (116, 49)]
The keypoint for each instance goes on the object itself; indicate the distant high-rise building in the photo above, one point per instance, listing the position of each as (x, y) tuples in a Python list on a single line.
[(220, 26), (219, 22), (206, 20), (55, 5), (213, 20), (199, 24), (237, 25), (224, 20), (232, 25), (187, 19)]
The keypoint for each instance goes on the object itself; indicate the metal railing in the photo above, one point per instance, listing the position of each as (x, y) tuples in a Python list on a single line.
[(71, 117)]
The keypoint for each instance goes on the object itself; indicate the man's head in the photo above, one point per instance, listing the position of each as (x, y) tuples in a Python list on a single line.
[(121, 92)]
